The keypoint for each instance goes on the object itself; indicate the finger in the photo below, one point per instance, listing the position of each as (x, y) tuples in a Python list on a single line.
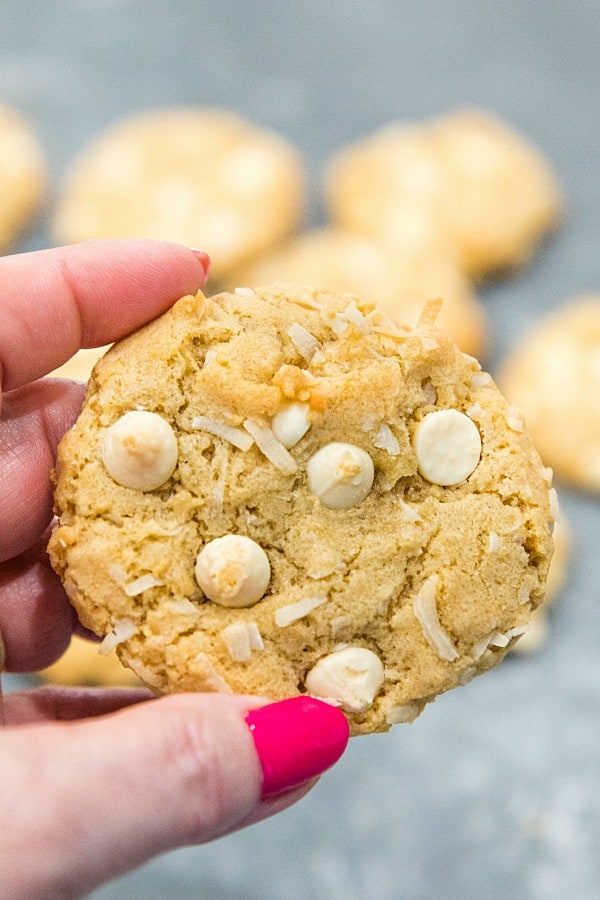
[(36, 618), (34, 418), (109, 793), (53, 302), (54, 703)]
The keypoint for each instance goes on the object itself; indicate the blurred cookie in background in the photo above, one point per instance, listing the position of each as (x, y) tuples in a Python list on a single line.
[(398, 278), (200, 176), (466, 177), (83, 664), (553, 376), (539, 626), (22, 175)]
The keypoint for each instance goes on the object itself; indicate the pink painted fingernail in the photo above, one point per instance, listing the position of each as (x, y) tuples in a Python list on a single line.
[(204, 259), (296, 740)]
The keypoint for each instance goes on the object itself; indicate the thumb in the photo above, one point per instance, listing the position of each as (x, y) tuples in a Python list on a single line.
[(90, 800)]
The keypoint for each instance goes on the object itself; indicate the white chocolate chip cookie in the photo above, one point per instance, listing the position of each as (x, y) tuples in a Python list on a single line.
[(22, 175), (203, 177), (308, 539), (553, 377), (466, 178), (399, 277)]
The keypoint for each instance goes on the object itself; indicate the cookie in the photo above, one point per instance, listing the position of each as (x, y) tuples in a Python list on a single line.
[(280, 491), (22, 175), (399, 279), (537, 633), (553, 376), (203, 177), (84, 664), (466, 178)]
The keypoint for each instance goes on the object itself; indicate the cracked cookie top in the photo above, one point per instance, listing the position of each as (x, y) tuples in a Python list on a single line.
[(278, 490)]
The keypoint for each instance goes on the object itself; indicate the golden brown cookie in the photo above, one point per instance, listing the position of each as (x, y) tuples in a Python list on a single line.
[(466, 178), (537, 633), (204, 177), (280, 491), (84, 664), (22, 175), (553, 376), (398, 279)]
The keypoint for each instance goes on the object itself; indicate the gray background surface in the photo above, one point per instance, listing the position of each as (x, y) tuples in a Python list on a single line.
[(495, 791)]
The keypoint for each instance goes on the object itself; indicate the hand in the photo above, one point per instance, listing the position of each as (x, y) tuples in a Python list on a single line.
[(96, 782)]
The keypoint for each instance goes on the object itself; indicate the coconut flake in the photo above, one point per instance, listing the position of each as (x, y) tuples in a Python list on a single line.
[(494, 542), (273, 449), (121, 632), (392, 674), (429, 313), (244, 292), (183, 606), (305, 343), (402, 715), (385, 440), (370, 422), (481, 379), (475, 411), (117, 573), (499, 639), (411, 514), (425, 609), (353, 314), (212, 681), (241, 639), (548, 475), (210, 357), (235, 436), (429, 344), (514, 420), (334, 321), (144, 673), (554, 506), (141, 584), (285, 615)]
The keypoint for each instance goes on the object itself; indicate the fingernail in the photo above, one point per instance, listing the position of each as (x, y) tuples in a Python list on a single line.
[(296, 740), (204, 259)]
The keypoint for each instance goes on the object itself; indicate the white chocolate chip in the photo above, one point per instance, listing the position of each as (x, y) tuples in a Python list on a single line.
[(448, 447), (340, 475), (352, 676), (233, 571), (291, 423), (140, 450)]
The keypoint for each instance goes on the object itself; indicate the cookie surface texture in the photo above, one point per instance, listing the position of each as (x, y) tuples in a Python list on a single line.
[(203, 177), (22, 174), (399, 278), (553, 377), (296, 546), (466, 177)]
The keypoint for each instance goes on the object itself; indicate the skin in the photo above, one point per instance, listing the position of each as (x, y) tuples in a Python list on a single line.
[(94, 782)]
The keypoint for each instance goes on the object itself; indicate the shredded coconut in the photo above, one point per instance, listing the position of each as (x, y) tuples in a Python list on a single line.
[(273, 449), (353, 314), (399, 715), (306, 302), (429, 344), (183, 607), (494, 542), (554, 506), (425, 609), (411, 514), (429, 313), (241, 639), (144, 673), (475, 411), (244, 292), (392, 674), (305, 343), (385, 440), (121, 632), (514, 420), (236, 436), (467, 676), (212, 681), (141, 584), (324, 573), (340, 624), (285, 615), (334, 321), (481, 379), (548, 476), (209, 357)]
